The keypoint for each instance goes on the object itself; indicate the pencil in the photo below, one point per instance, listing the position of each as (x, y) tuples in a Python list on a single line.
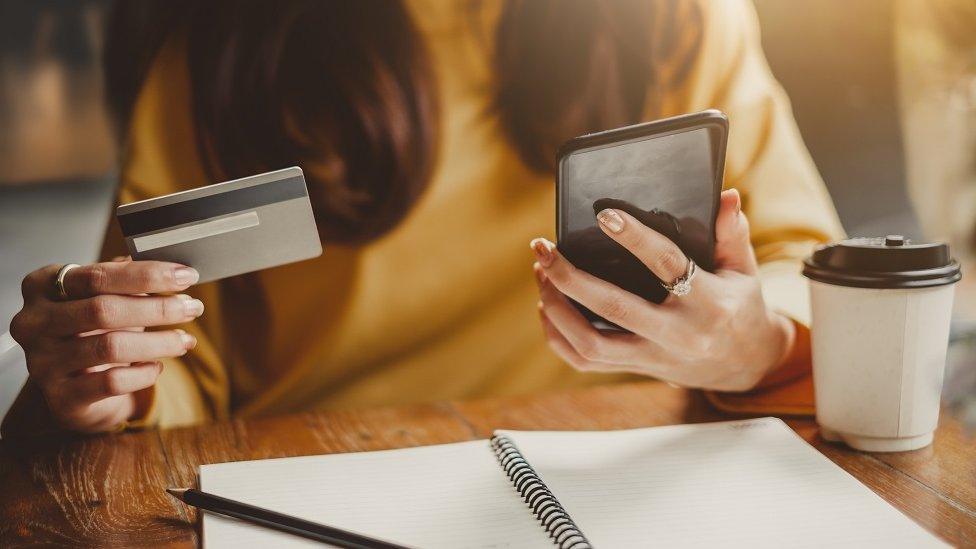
[(278, 521)]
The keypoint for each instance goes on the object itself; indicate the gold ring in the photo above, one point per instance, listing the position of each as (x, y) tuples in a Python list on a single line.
[(59, 280)]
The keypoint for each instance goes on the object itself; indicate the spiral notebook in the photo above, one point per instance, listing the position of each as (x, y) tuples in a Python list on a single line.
[(752, 482)]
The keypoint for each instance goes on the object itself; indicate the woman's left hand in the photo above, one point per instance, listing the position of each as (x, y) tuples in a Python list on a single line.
[(720, 336)]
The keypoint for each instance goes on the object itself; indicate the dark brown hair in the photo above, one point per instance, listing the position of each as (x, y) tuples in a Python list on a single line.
[(346, 90)]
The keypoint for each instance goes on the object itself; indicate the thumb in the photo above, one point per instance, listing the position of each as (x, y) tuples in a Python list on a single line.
[(733, 250)]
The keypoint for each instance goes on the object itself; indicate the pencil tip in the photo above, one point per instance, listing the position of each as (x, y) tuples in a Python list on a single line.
[(177, 492)]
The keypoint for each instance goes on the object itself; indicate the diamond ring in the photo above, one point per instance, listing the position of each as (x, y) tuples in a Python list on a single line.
[(682, 285)]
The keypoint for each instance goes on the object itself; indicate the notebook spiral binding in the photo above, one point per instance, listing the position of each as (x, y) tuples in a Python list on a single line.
[(557, 522)]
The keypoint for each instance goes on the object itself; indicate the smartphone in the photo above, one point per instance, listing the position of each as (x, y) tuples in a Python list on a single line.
[(667, 174)]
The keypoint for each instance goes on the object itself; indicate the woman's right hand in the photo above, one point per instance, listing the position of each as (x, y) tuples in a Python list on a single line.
[(89, 353)]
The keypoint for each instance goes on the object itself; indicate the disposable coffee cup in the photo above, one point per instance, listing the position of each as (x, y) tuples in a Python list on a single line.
[(881, 312)]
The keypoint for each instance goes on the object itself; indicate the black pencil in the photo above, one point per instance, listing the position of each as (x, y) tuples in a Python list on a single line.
[(278, 521)]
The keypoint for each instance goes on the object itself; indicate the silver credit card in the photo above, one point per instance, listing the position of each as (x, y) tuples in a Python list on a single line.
[(228, 228)]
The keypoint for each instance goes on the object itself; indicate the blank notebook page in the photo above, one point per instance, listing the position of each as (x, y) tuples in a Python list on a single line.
[(452, 495), (752, 483)]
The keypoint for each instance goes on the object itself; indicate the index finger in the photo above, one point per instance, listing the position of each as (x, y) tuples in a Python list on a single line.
[(128, 277)]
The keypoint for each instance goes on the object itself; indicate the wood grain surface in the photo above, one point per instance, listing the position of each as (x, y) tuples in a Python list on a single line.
[(108, 490)]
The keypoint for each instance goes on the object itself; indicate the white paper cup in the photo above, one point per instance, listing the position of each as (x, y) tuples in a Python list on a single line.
[(881, 315)]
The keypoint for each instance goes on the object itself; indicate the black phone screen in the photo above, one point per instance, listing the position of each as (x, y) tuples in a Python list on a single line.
[(667, 181)]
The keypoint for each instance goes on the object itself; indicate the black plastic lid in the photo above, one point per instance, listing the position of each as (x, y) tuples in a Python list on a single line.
[(890, 262)]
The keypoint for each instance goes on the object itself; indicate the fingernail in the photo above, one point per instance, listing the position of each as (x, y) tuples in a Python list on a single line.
[(189, 341), (611, 220), (192, 307), (738, 200), (185, 276), (543, 251)]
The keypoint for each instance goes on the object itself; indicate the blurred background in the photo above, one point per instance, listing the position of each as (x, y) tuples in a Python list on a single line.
[(884, 92)]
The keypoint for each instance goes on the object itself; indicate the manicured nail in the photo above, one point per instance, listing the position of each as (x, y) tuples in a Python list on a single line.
[(611, 220), (189, 341), (543, 251), (185, 276), (191, 307)]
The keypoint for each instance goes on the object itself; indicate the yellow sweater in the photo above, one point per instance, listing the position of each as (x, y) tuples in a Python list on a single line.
[(444, 306)]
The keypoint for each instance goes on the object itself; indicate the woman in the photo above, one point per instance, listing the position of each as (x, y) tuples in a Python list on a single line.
[(427, 135)]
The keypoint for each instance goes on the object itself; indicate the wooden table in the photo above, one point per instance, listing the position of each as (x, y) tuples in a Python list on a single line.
[(108, 490)]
